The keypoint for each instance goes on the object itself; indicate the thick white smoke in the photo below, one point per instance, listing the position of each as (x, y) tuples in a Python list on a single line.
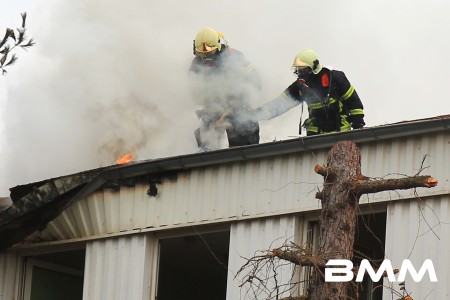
[(107, 77), (225, 86), (100, 85)]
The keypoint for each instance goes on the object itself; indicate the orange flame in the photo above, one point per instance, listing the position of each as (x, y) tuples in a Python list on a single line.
[(124, 159)]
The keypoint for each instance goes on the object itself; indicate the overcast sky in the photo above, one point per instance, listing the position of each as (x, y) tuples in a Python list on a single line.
[(109, 76)]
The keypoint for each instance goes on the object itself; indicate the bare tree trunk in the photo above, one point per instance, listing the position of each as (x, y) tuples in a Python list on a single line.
[(338, 216), (343, 185)]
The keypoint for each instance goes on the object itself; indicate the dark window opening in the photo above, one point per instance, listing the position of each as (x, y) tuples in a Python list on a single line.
[(54, 276), (194, 267), (370, 237), (369, 244)]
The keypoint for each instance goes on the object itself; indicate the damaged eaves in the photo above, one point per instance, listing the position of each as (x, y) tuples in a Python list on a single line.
[(32, 196), (36, 204), (15, 230)]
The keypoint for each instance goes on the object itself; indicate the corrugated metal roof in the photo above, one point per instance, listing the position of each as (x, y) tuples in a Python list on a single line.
[(275, 185), (41, 199)]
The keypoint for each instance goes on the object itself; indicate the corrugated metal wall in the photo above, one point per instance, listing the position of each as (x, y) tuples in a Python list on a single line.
[(403, 157), (420, 230), (255, 188), (126, 267), (9, 263), (120, 268), (248, 237)]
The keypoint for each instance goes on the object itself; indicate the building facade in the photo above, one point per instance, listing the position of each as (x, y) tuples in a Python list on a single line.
[(182, 227)]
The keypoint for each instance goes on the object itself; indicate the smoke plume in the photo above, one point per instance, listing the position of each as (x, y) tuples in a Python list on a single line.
[(109, 77)]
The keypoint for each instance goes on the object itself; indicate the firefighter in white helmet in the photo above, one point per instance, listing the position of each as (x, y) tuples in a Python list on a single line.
[(333, 104), (223, 83)]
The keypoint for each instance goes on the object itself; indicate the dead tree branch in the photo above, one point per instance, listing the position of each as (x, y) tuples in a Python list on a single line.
[(328, 173), (360, 187), (301, 257)]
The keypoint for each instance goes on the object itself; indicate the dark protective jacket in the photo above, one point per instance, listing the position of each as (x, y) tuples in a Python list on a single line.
[(223, 85), (333, 103)]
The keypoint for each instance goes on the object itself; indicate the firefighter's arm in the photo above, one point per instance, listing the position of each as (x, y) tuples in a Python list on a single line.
[(356, 111), (351, 101), (288, 99)]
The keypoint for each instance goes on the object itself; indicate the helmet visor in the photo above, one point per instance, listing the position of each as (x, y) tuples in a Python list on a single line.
[(298, 63), (205, 51)]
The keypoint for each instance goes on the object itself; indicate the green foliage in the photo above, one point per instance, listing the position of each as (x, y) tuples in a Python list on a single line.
[(11, 40)]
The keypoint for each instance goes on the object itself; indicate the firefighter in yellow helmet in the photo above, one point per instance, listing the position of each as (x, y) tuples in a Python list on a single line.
[(222, 82), (333, 104)]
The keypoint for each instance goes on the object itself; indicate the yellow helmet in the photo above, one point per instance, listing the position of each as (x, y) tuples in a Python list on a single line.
[(207, 42), (307, 58)]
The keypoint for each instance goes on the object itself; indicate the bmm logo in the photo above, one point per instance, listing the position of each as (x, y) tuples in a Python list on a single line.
[(346, 273)]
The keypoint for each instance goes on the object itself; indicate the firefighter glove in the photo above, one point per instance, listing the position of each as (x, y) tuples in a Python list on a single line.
[(358, 124)]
